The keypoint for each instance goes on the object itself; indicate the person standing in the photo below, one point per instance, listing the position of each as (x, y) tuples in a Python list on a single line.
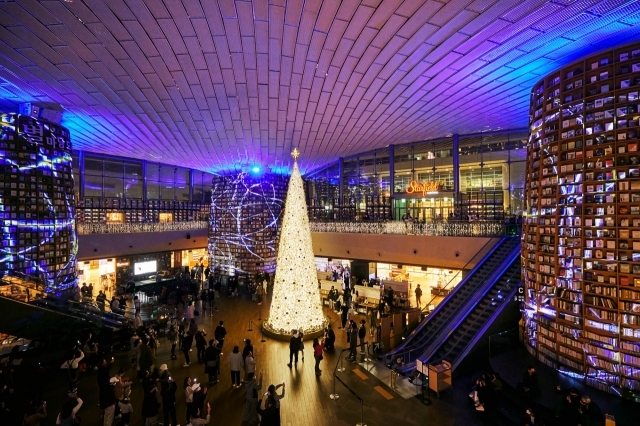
[(362, 333), (418, 296), (250, 413), (138, 324), (172, 336), (212, 362), (353, 341), (188, 395), (187, 343), (250, 364), (372, 321), (125, 409), (146, 360), (69, 410), (201, 345), (294, 347), (150, 405), (248, 348), (33, 417), (317, 354), (168, 395), (301, 334), (390, 299), (72, 369), (220, 333), (330, 337), (235, 362), (200, 419), (212, 297), (272, 394), (108, 401)]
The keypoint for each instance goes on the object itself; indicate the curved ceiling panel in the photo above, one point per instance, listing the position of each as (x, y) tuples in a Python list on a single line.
[(218, 84)]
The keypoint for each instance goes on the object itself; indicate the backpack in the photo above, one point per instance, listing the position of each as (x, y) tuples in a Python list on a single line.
[(362, 331)]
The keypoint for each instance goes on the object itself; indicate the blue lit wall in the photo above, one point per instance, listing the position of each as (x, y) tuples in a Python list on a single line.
[(245, 221), (37, 214)]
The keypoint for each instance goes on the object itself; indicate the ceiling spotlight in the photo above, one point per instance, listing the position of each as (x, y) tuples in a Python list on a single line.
[(255, 169)]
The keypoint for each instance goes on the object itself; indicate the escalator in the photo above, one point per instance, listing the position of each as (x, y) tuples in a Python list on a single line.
[(441, 321), (469, 330)]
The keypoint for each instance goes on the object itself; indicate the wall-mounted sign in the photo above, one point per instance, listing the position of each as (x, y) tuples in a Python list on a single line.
[(424, 187), (122, 263)]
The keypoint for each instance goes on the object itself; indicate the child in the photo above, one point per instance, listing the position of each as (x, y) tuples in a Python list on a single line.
[(125, 410)]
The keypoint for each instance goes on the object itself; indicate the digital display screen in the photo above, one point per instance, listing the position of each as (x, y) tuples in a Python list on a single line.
[(148, 267)]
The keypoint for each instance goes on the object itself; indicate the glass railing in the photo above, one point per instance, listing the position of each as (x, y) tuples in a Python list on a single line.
[(451, 229), (124, 228)]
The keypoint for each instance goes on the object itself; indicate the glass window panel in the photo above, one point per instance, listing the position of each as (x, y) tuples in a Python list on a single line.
[(92, 165), (113, 168), (167, 191), (198, 194), (153, 190), (182, 176), (113, 187), (133, 187), (167, 174), (182, 192), (92, 186), (132, 169), (153, 172)]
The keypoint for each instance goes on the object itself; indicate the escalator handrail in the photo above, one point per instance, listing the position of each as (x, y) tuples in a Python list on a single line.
[(465, 310), (455, 362), (404, 348), (478, 264)]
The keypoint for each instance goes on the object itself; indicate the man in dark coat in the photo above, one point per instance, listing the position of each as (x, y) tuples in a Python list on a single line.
[(212, 362), (294, 347), (146, 357)]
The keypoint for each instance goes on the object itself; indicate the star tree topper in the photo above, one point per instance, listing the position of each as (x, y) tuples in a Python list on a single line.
[(295, 154)]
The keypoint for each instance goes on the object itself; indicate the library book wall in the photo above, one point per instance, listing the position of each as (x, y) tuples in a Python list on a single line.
[(581, 234)]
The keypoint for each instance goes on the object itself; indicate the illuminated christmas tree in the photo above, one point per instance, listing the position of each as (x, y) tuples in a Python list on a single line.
[(296, 297)]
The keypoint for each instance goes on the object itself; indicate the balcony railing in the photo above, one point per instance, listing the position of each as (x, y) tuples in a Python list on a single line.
[(444, 229), (125, 228)]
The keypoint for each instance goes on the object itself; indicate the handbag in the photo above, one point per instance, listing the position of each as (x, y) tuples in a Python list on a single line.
[(196, 313), (212, 363)]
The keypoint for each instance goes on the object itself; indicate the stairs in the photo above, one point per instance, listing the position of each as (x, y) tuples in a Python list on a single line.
[(437, 326)]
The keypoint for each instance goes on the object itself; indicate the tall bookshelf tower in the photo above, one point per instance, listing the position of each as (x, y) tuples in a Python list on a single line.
[(245, 222), (581, 236)]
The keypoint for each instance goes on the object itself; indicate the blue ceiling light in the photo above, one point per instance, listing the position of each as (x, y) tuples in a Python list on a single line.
[(255, 169)]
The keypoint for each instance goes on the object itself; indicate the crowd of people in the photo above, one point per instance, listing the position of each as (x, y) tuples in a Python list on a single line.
[(159, 388), (572, 409)]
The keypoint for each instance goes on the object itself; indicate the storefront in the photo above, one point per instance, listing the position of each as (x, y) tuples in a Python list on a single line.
[(191, 257), (101, 273), (329, 267)]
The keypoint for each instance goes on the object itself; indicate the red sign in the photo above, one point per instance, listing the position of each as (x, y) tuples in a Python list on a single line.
[(424, 187)]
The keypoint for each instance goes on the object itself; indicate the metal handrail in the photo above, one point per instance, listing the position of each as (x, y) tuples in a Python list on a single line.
[(506, 299), (450, 229), (408, 352)]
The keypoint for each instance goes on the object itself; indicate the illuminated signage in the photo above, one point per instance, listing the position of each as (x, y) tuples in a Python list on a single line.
[(424, 188), (122, 263)]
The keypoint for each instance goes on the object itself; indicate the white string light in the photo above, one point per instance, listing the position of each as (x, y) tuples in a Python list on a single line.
[(296, 296)]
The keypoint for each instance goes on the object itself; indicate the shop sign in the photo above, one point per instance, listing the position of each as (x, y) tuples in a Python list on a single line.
[(425, 188), (122, 263)]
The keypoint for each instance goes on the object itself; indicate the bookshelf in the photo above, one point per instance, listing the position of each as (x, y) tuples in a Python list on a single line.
[(99, 210), (581, 235), (36, 202), (245, 223)]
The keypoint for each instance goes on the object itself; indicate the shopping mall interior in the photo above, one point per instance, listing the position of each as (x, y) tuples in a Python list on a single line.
[(439, 200)]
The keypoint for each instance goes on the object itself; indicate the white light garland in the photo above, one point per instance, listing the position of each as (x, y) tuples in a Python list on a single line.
[(296, 296)]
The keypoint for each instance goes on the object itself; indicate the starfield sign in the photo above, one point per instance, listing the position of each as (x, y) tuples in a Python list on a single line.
[(424, 187)]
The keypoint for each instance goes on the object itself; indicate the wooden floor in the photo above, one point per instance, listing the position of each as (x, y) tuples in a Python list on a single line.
[(307, 399)]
